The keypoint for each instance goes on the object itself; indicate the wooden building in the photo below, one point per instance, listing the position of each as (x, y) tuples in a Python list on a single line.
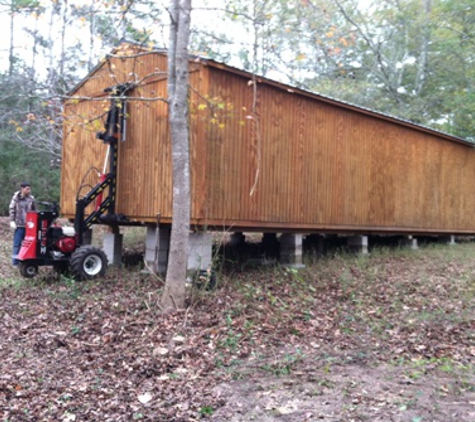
[(267, 157)]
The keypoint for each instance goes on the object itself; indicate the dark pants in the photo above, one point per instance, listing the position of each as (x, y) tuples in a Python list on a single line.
[(18, 237)]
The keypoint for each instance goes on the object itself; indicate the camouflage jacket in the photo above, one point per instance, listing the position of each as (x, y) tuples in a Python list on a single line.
[(19, 206)]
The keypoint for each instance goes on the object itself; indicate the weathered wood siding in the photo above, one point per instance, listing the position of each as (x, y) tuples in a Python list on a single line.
[(143, 159), (267, 157), (323, 166)]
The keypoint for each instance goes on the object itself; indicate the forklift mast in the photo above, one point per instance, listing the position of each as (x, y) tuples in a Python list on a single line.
[(114, 129)]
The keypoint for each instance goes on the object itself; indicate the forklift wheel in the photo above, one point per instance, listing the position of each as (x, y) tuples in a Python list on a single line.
[(28, 270), (88, 262)]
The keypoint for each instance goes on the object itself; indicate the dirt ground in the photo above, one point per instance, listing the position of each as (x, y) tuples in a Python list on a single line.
[(389, 337)]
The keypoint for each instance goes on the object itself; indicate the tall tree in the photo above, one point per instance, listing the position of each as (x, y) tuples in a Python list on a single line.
[(454, 33), (14, 8), (174, 294)]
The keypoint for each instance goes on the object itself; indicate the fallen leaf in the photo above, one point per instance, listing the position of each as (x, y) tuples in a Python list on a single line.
[(145, 398)]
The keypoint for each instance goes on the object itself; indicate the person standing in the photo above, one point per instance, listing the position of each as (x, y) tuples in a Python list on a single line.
[(22, 202)]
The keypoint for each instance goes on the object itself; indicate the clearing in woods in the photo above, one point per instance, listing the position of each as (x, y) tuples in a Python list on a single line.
[(384, 337)]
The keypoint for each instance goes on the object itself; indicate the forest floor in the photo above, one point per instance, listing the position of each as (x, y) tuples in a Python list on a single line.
[(385, 337)]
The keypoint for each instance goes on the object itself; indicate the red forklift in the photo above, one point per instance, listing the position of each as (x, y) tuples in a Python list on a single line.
[(48, 244)]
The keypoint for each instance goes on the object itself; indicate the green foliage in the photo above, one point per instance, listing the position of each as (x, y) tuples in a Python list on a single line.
[(28, 143), (411, 59), (18, 163), (206, 411)]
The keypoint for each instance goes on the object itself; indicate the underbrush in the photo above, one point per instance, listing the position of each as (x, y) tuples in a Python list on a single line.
[(408, 310)]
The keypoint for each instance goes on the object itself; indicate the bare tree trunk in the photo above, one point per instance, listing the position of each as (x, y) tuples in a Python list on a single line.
[(12, 30), (424, 54), (64, 23), (124, 7), (34, 51), (174, 294), (50, 54), (92, 32)]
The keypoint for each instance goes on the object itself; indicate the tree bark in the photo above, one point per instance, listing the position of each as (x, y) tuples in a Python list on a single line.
[(424, 49), (174, 293), (11, 46)]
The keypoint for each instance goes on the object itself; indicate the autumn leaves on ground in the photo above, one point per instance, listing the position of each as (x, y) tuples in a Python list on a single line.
[(384, 337)]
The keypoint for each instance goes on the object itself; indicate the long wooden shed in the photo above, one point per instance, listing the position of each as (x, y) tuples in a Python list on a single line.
[(266, 156)]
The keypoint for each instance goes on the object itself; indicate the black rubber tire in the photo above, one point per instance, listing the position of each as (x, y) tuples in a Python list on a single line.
[(88, 262), (28, 270)]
